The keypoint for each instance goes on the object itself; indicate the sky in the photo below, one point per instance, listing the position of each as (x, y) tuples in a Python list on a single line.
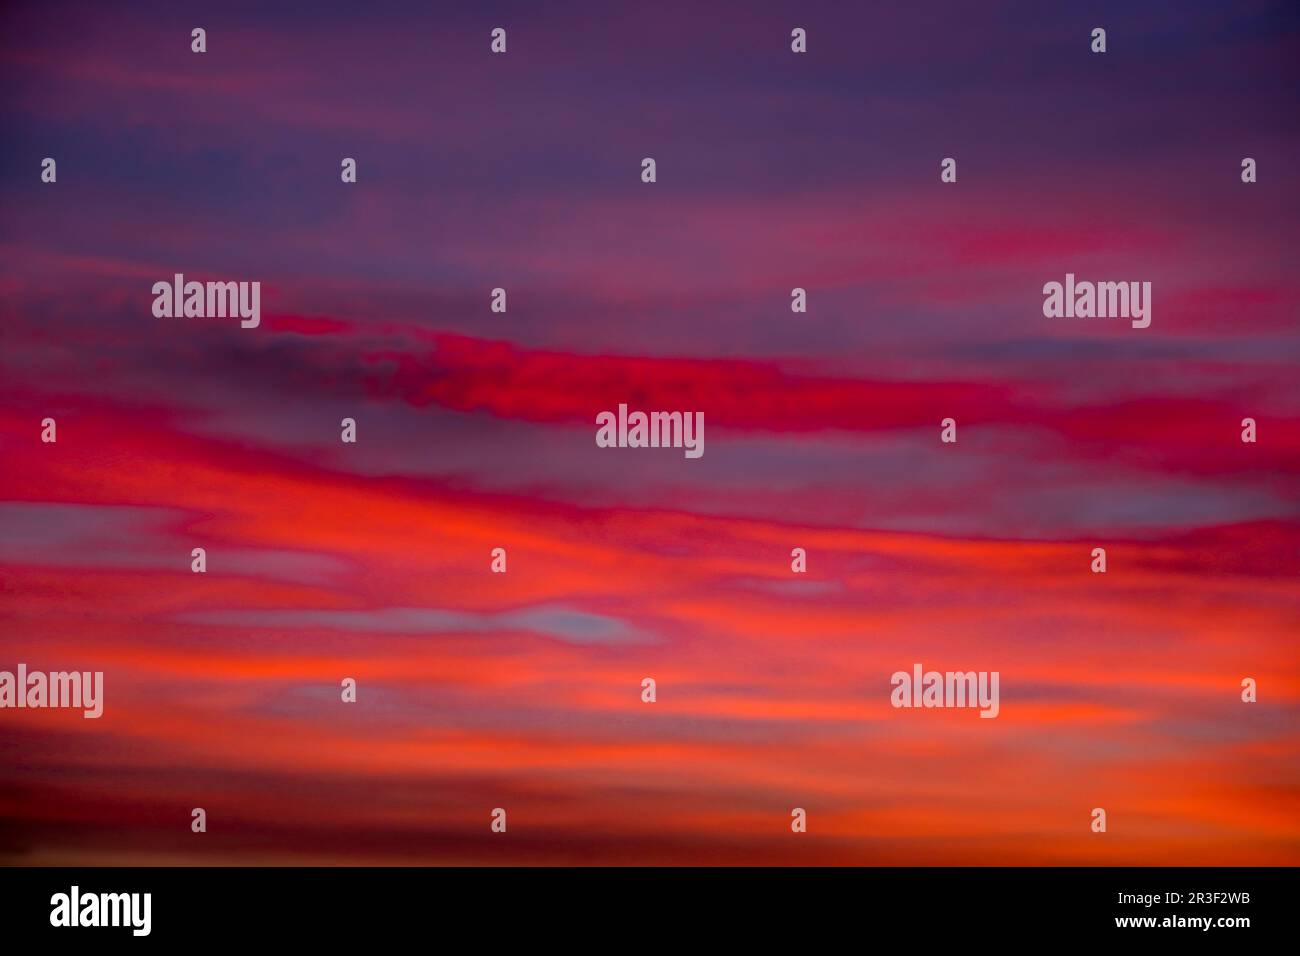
[(475, 431)]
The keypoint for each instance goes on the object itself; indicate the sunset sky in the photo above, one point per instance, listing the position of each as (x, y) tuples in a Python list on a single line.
[(476, 431)]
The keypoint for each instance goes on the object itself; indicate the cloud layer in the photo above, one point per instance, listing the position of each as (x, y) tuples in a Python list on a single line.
[(481, 690)]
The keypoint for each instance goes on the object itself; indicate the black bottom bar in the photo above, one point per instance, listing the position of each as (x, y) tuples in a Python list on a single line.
[(641, 909)]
